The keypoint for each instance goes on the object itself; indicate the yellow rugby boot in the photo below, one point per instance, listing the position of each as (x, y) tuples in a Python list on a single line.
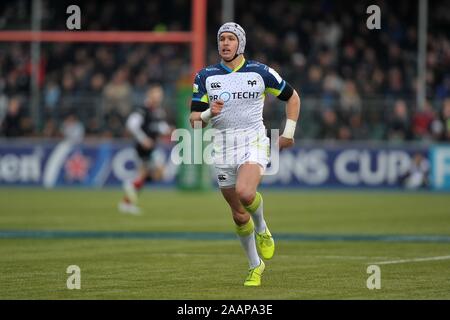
[(265, 244), (254, 276)]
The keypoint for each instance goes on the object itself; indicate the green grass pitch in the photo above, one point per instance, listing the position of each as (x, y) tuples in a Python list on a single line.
[(185, 265)]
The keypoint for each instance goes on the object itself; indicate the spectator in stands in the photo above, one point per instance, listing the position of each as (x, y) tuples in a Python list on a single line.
[(97, 84), (332, 84), (344, 133), (117, 95), (440, 127), (317, 45), (329, 125), (51, 129), (52, 94), (399, 123), (3, 106), (140, 87), (313, 85), (72, 129), (113, 126), (443, 90), (350, 101), (358, 128), (422, 120), (67, 100), (395, 87), (13, 120)]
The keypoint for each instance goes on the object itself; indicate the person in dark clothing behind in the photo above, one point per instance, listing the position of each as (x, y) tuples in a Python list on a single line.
[(146, 124)]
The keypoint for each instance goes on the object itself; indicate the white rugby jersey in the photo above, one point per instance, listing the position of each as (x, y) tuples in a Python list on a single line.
[(243, 91)]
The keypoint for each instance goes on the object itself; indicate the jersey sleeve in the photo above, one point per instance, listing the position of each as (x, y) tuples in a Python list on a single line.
[(276, 85), (134, 123), (200, 101)]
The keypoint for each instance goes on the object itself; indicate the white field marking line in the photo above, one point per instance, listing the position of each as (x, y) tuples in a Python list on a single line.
[(350, 257), (412, 260)]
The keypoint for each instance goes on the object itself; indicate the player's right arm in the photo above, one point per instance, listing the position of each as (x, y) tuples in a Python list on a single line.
[(134, 123), (201, 108), (205, 116)]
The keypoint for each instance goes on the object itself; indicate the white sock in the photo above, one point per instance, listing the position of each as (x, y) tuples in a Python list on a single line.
[(258, 219), (249, 245), (246, 234)]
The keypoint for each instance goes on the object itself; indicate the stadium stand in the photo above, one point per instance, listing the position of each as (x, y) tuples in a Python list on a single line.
[(355, 83)]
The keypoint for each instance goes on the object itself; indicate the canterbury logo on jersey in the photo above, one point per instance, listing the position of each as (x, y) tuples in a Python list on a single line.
[(251, 83), (215, 85)]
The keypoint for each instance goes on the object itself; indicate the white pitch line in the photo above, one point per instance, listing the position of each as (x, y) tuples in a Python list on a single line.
[(412, 260), (349, 257)]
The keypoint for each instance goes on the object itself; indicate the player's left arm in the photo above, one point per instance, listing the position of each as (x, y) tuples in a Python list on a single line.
[(292, 113), (280, 88)]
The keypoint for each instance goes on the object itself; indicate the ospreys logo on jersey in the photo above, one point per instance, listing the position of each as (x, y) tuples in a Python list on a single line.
[(251, 82)]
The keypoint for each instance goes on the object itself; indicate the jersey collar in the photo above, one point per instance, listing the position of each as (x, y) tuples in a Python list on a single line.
[(229, 70)]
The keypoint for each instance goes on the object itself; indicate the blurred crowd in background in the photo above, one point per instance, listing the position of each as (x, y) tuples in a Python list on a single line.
[(355, 83)]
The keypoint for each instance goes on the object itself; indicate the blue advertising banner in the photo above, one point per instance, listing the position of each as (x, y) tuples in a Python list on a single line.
[(352, 165), (67, 164), (440, 173), (309, 166)]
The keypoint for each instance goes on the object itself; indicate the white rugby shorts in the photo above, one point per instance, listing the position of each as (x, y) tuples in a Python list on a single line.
[(228, 163)]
